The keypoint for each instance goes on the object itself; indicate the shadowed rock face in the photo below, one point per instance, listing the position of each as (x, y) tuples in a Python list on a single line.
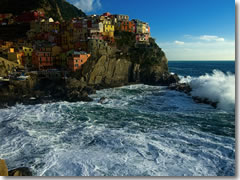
[(24, 171)]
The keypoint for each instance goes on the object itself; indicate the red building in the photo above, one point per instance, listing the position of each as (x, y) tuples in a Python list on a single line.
[(107, 14), (42, 59), (27, 17), (77, 59)]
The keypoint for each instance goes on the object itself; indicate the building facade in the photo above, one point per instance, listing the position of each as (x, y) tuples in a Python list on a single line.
[(76, 59)]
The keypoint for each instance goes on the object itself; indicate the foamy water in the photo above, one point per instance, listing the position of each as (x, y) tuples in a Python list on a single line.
[(139, 130), (218, 87)]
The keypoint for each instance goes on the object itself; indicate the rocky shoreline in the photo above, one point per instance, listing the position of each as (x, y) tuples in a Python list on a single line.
[(73, 90), (186, 88), (48, 91)]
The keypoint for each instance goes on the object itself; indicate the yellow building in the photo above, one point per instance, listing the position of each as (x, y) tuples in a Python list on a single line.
[(16, 57), (108, 28), (27, 51)]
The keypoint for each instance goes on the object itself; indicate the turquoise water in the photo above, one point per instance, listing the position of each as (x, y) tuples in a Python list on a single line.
[(139, 130)]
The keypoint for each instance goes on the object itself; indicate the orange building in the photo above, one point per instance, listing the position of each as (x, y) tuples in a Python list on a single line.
[(43, 59), (127, 26), (77, 59)]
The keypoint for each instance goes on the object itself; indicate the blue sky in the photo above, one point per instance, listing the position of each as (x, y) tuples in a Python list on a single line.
[(184, 29)]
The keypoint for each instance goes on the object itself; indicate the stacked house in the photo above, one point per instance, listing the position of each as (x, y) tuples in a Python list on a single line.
[(69, 44), (76, 59)]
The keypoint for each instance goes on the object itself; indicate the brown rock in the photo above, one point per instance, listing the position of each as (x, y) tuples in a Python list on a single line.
[(3, 168)]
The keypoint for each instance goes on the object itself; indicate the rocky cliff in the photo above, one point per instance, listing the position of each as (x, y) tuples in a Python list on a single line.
[(128, 63)]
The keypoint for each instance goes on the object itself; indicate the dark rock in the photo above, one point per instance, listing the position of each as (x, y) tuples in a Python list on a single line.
[(181, 87), (102, 99), (186, 88), (205, 101), (23, 171), (89, 90)]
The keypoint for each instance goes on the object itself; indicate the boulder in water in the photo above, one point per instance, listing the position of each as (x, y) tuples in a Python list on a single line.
[(181, 87), (102, 99)]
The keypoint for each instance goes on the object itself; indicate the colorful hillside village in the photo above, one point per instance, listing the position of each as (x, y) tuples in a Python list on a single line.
[(64, 46)]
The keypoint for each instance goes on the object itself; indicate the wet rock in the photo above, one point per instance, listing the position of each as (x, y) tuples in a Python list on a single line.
[(181, 87), (23, 171), (186, 88), (89, 90), (3, 168), (204, 101), (102, 99)]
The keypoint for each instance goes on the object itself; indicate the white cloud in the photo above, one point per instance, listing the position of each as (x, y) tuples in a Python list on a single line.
[(200, 50), (88, 5), (211, 38), (205, 38), (179, 42)]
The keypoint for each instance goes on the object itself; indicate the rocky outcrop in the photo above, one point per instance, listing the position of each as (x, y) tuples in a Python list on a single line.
[(181, 87), (37, 90), (3, 168), (23, 171), (146, 64), (186, 88)]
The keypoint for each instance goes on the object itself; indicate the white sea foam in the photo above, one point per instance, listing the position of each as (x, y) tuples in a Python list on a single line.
[(141, 130), (218, 87)]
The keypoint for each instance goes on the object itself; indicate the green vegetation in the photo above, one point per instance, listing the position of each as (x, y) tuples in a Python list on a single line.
[(58, 9), (125, 39)]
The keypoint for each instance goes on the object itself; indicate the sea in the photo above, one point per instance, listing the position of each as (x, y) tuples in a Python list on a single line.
[(138, 130)]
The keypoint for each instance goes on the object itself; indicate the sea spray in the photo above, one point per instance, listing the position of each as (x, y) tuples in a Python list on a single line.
[(217, 87)]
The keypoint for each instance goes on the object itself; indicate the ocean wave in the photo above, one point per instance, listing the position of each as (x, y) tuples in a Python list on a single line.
[(218, 87)]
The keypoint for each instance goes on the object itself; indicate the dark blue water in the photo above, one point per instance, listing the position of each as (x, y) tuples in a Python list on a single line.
[(199, 68)]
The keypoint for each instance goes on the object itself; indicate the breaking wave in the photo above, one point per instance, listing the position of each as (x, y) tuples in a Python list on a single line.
[(218, 87)]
